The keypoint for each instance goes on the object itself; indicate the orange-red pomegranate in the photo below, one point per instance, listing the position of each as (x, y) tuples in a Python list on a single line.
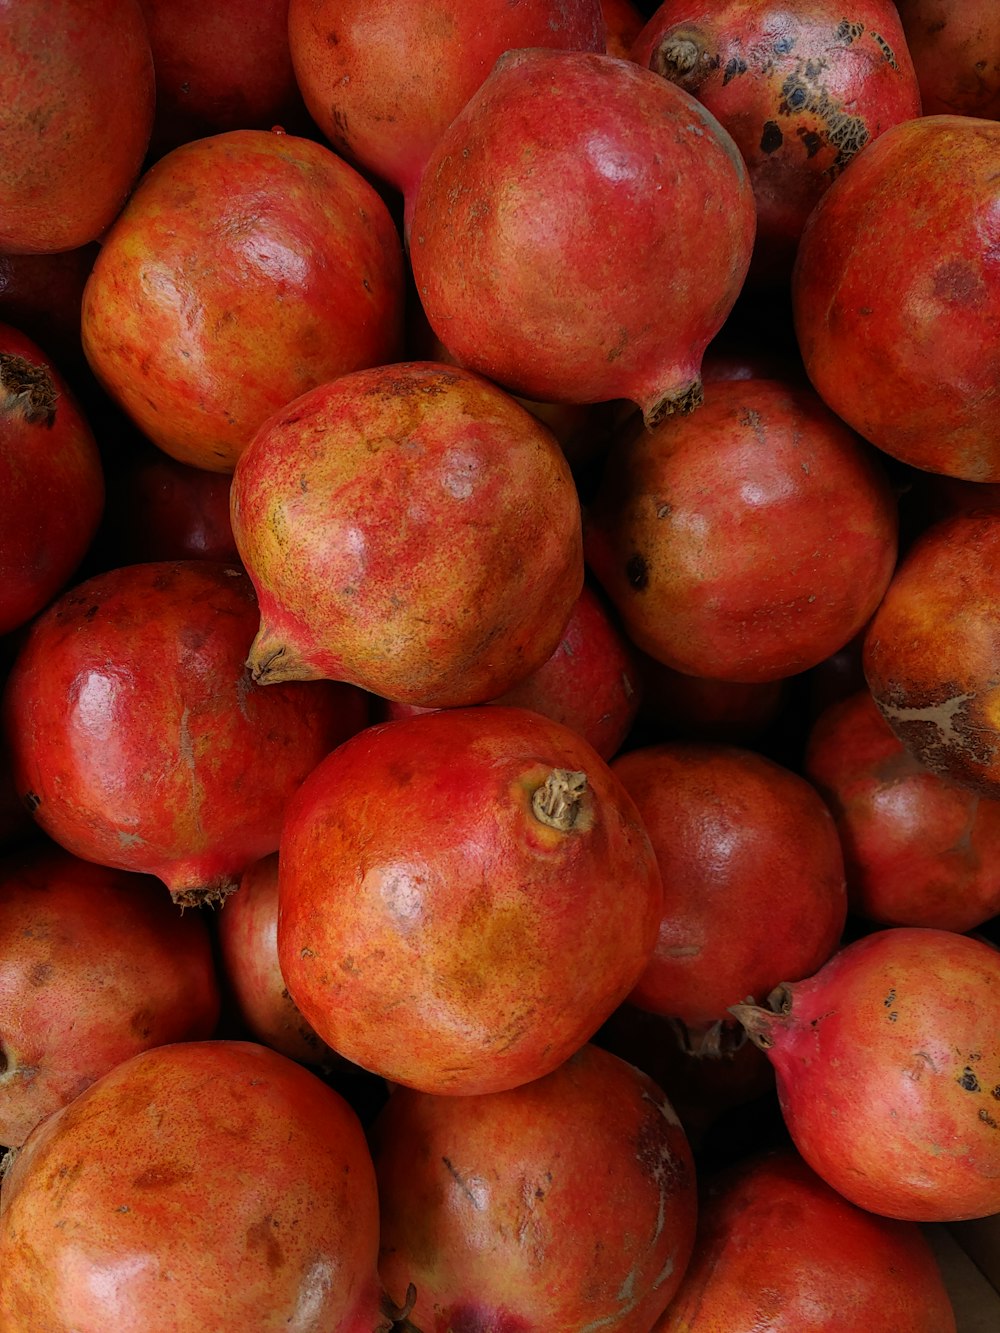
[(955, 45)]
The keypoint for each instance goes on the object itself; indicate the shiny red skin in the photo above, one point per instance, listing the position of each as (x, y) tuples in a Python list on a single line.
[(204, 1185), (223, 66), (95, 966), (748, 541), (138, 738), (159, 509), (778, 1250), (753, 876), (582, 231), (697, 708), (412, 530), (955, 46), (248, 941), (51, 480), (888, 1070), (433, 929), (76, 109), (931, 650), (919, 850), (801, 89), (900, 333), (384, 82), (483, 1200), (41, 296), (246, 268)]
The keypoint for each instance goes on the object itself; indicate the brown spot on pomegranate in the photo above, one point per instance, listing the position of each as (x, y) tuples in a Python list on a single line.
[(160, 1177), (40, 974), (261, 1236), (957, 281), (637, 572), (968, 1081)]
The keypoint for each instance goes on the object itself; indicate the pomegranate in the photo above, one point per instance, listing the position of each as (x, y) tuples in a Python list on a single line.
[(581, 231), (752, 871), (96, 965), (138, 738), (159, 509), (801, 89), (246, 268), (696, 708), (383, 83), (930, 652), (174, 1210), (900, 337), (778, 1250), (76, 110), (888, 1071), (409, 529), (624, 22), (464, 897), (919, 850), (41, 296), (484, 1199), (51, 480), (748, 541), (955, 45)]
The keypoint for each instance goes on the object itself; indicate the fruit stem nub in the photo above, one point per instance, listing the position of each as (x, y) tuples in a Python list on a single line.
[(557, 801)]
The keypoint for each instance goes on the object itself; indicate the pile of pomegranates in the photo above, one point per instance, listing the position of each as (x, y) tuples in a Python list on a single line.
[(499, 664)]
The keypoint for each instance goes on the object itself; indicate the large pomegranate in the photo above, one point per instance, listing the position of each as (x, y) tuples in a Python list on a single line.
[(896, 294), (585, 1174), (800, 88), (955, 45), (581, 231), (204, 1185), (95, 965), (409, 529), (464, 897), (138, 739), (76, 110), (246, 268), (888, 1070)]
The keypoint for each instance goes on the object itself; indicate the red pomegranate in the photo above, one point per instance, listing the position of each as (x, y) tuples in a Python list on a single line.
[(955, 45), (483, 1200), (97, 966), (888, 1070), (900, 338), (204, 1185), (464, 897), (676, 706), (624, 22), (159, 509), (76, 109), (409, 529), (581, 232), (41, 296), (801, 89), (919, 850), (778, 1250), (748, 541), (383, 83), (246, 268), (138, 738), (753, 876), (51, 480)]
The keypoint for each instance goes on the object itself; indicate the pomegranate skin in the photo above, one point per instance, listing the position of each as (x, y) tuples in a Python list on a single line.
[(96, 965), (175, 1213), (76, 110), (801, 91), (159, 509), (888, 1070), (411, 530), (41, 297), (753, 876), (585, 1173), (434, 928), (779, 1251), (581, 232), (51, 479), (247, 268), (955, 46), (748, 541), (139, 741), (899, 335), (624, 22), (919, 850)]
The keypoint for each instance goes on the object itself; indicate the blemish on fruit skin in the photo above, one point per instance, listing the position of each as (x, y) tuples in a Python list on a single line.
[(637, 572), (968, 1081)]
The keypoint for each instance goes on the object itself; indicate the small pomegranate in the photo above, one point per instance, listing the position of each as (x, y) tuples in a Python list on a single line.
[(955, 45), (96, 965), (484, 1199), (138, 738), (559, 167), (203, 1185), (41, 296), (888, 1070), (409, 529), (159, 509), (898, 334), (464, 897), (778, 1250), (696, 708)]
